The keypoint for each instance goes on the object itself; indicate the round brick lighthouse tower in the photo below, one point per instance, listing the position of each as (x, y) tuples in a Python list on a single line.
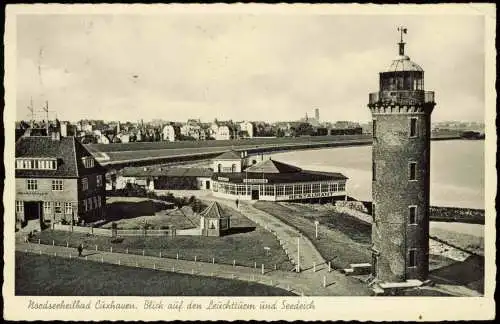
[(401, 112)]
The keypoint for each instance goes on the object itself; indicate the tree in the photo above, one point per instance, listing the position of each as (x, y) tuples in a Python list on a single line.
[(303, 129)]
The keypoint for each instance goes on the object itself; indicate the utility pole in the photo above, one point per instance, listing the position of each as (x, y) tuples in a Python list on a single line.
[(46, 109)]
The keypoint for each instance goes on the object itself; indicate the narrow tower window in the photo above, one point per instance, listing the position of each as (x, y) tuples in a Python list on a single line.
[(373, 213), (413, 258), (413, 170), (374, 168), (374, 128), (413, 215), (413, 127)]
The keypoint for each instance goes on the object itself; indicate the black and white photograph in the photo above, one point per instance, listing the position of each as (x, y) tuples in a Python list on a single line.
[(249, 161)]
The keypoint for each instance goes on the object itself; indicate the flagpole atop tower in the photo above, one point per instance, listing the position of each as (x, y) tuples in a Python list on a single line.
[(402, 30)]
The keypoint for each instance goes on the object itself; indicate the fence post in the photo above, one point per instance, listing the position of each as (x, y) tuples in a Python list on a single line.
[(119, 262), (275, 267), (96, 247), (67, 244), (329, 266), (111, 249), (234, 263), (195, 258), (154, 266), (177, 256), (38, 241), (255, 265), (314, 266), (173, 269), (102, 259), (262, 268), (160, 254), (126, 251), (324, 281), (142, 252), (213, 260), (53, 243)]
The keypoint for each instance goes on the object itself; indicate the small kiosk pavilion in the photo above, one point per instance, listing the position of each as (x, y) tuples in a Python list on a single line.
[(214, 221)]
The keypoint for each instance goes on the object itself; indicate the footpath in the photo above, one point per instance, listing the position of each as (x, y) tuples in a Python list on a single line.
[(321, 283)]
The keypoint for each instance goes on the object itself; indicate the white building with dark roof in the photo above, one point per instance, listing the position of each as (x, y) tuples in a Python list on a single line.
[(273, 181)]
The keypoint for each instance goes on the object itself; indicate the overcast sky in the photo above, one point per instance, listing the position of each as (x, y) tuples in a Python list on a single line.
[(232, 66)]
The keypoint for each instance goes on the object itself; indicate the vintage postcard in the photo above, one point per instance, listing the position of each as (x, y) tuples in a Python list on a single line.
[(250, 162)]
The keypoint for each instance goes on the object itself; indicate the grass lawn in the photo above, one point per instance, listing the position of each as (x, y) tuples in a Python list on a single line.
[(41, 275), (342, 238), (132, 212), (245, 245)]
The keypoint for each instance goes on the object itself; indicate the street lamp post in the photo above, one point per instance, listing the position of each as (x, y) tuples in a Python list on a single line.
[(316, 223), (298, 254)]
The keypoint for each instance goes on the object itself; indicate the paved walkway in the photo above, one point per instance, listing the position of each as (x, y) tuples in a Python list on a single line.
[(289, 237), (308, 284)]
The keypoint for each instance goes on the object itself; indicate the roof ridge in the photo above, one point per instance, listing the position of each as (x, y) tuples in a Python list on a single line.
[(76, 159)]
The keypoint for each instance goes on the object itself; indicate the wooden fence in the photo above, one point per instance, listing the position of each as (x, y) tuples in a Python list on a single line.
[(127, 232)]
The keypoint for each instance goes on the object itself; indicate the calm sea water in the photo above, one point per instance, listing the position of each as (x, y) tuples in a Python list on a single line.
[(457, 170)]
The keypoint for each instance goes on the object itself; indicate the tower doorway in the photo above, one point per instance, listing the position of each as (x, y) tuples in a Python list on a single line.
[(255, 194)]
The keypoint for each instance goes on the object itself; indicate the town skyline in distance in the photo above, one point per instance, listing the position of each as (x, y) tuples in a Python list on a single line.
[(86, 65)]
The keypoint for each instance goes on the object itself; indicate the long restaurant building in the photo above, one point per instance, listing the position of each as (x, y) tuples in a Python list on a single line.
[(236, 177)]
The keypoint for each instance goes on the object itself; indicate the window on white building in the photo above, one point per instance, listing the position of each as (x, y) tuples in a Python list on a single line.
[(334, 187), (57, 207), (268, 190), (57, 185), (19, 206), (280, 190), (316, 187), (342, 186), (288, 190), (68, 208), (47, 207), (32, 184)]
